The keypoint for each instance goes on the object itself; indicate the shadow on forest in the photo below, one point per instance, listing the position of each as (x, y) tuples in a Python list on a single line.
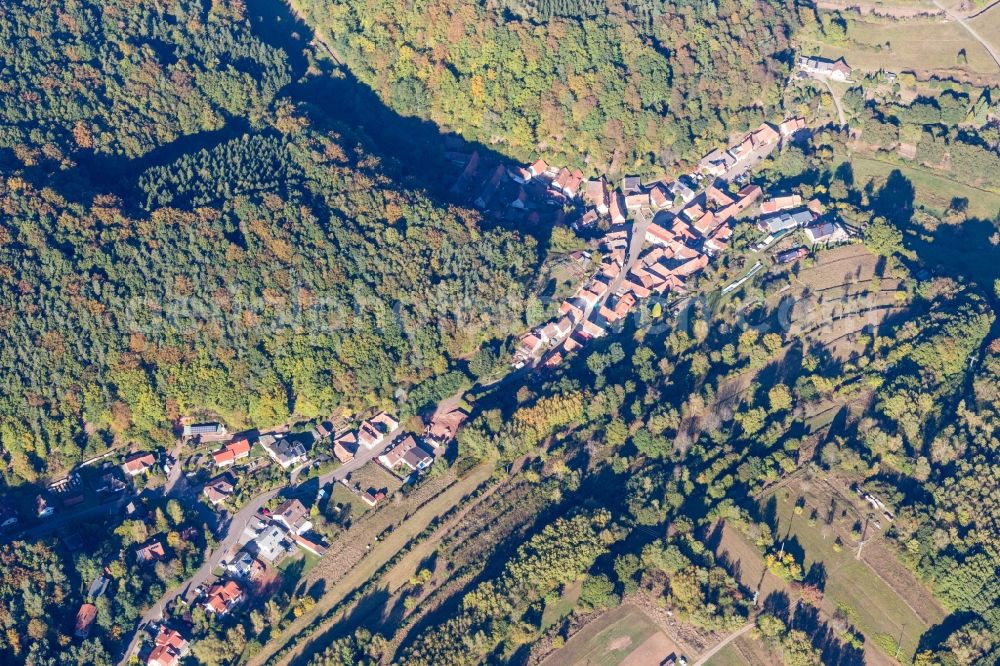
[(362, 615), (412, 150)]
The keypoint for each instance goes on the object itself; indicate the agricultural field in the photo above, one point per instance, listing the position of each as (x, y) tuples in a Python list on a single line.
[(933, 191), (987, 25), (837, 296), (624, 635), (374, 540), (921, 45), (744, 559), (854, 588)]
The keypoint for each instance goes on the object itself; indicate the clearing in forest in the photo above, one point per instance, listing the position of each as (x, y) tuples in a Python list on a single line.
[(852, 588), (623, 635), (922, 45)]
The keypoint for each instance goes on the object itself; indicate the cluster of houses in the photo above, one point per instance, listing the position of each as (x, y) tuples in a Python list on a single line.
[(836, 70), (408, 453), (370, 434), (536, 193), (266, 539), (169, 647), (686, 223), (751, 149), (781, 216)]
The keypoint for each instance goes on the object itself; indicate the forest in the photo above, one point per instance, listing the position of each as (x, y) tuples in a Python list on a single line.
[(637, 87), (283, 271)]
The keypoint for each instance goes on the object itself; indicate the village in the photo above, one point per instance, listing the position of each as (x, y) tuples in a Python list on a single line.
[(654, 238), (658, 235)]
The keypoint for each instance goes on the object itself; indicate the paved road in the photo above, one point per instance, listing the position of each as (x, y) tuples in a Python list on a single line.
[(729, 639), (965, 24), (235, 528)]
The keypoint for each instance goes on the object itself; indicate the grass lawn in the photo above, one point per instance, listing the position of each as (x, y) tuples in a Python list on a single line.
[(934, 191), (562, 606), (308, 562), (606, 641), (987, 25), (342, 495), (914, 44), (728, 656), (851, 585)]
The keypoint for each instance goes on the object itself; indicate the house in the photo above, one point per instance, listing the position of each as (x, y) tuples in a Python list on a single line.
[(838, 70), (293, 515), (8, 517), (716, 163), (222, 597), (786, 220), (205, 430), (489, 188), (312, 544), (270, 543), (98, 586), (345, 446), (780, 203), (231, 452), (538, 168), (658, 197), (530, 344), (372, 498), (791, 126), (321, 432), (374, 430), (85, 620), (691, 266), (717, 197), (616, 209), (789, 256), (765, 135), (636, 201), (679, 189), (596, 195), (409, 453), (151, 552), (631, 185), (705, 223), (285, 451), (657, 235), (590, 330), (219, 489), (444, 425), (169, 648), (719, 240), (43, 508), (553, 361), (826, 232), (519, 174), (568, 182), (246, 566), (588, 219), (138, 463)]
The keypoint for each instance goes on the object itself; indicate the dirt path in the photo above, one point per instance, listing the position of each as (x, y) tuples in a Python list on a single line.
[(721, 646), (836, 103)]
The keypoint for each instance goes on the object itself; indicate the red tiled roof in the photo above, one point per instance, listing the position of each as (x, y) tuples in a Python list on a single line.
[(139, 462)]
